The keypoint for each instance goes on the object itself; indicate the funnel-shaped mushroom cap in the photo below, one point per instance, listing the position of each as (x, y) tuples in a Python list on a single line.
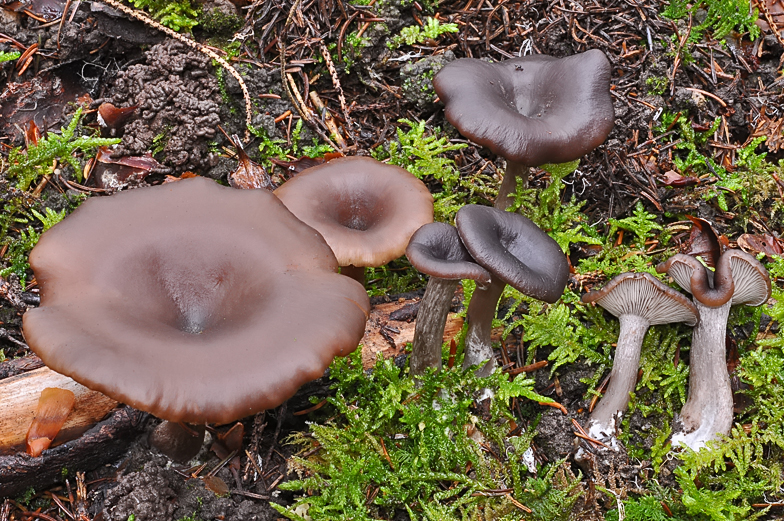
[(436, 249), (515, 250), (366, 210), (738, 276), (643, 295), (531, 110), (192, 301)]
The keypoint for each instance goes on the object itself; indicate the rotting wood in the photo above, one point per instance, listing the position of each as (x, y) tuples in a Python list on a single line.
[(20, 396), (102, 444), (389, 337)]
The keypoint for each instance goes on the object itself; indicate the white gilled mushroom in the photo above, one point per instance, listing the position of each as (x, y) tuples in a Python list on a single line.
[(739, 279), (639, 300)]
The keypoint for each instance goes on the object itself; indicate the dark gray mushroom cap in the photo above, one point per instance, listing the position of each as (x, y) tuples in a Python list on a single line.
[(435, 249), (738, 276), (515, 250), (531, 110), (643, 295)]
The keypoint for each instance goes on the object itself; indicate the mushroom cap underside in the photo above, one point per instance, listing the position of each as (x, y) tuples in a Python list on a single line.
[(643, 295), (366, 210), (192, 301), (515, 250), (531, 110), (738, 276), (436, 249)]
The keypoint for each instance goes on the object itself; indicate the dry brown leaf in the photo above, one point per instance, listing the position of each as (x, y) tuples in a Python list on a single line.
[(704, 241), (53, 409)]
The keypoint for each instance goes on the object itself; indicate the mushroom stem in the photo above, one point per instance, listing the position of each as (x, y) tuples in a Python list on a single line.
[(355, 272), (180, 442), (708, 408), (480, 314), (623, 377), (431, 320), (508, 188)]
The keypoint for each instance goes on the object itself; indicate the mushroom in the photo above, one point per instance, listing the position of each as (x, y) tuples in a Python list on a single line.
[(639, 300), (516, 252), (366, 210), (739, 279), (194, 302), (436, 250), (531, 110)]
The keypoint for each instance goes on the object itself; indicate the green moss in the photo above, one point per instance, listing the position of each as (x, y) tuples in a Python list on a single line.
[(393, 444)]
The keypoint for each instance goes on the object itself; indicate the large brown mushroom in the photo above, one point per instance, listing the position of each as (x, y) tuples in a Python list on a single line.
[(739, 279), (366, 210), (195, 302), (531, 110)]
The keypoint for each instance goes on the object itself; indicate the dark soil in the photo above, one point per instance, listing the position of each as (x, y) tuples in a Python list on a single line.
[(98, 54)]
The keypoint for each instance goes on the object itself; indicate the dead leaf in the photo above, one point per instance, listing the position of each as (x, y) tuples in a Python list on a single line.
[(249, 175), (676, 180), (760, 243), (216, 485), (52, 410), (113, 117), (112, 173), (704, 241)]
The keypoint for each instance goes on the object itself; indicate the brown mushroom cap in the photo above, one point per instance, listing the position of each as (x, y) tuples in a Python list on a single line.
[(192, 301), (366, 210), (436, 250), (515, 250), (531, 110), (643, 295)]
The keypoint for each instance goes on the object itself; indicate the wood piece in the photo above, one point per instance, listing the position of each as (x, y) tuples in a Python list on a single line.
[(20, 365), (389, 337), (20, 396), (102, 444)]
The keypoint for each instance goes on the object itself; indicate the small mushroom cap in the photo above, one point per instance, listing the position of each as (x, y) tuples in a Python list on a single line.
[(738, 276), (531, 110), (194, 302), (515, 250), (643, 295), (366, 210), (436, 249)]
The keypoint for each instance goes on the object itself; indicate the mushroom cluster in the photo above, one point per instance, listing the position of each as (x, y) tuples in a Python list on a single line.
[(194, 302), (640, 300), (739, 279), (494, 248)]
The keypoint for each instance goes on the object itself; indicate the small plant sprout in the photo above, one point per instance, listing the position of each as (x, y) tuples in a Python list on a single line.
[(739, 279), (639, 300)]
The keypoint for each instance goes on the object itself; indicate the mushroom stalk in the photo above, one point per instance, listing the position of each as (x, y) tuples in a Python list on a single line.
[(623, 377), (481, 312), (708, 408), (355, 272), (514, 171), (431, 320)]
